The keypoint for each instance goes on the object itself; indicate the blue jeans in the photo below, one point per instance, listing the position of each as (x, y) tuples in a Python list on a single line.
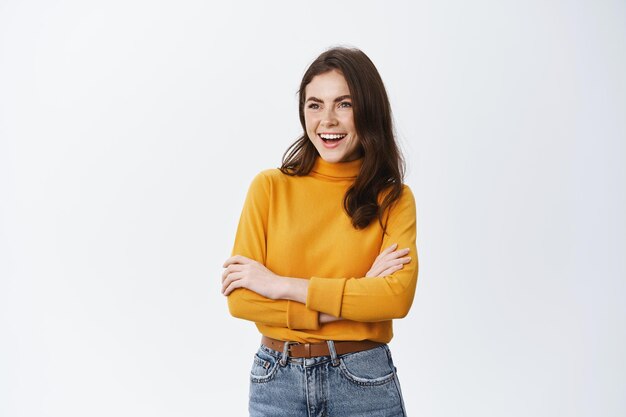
[(353, 384)]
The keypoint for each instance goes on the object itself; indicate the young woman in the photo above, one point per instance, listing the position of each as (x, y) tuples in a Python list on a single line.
[(324, 255)]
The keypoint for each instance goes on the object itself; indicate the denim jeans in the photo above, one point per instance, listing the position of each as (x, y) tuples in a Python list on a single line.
[(352, 384)]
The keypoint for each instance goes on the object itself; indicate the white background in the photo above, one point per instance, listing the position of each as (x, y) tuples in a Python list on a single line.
[(130, 131)]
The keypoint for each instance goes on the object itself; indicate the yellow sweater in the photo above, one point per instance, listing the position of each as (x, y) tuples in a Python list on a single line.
[(297, 227)]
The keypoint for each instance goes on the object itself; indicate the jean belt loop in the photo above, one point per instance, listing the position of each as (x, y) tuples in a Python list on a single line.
[(333, 353), (285, 356)]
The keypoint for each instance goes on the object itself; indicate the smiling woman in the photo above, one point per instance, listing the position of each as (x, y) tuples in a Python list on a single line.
[(320, 261)]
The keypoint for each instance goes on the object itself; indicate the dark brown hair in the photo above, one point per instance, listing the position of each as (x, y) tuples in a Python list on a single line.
[(383, 165)]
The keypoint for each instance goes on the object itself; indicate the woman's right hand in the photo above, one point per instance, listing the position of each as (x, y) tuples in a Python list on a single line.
[(389, 261)]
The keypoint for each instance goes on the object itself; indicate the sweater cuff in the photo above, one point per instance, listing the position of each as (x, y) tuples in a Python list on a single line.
[(300, 317), (326, 295)]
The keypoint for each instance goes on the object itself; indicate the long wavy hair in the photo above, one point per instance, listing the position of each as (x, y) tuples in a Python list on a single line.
[(383, 166)]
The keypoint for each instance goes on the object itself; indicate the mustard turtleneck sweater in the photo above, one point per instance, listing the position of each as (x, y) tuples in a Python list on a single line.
[(297, 227)]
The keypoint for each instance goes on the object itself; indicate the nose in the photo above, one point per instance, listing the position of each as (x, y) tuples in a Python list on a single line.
[(329, 118)]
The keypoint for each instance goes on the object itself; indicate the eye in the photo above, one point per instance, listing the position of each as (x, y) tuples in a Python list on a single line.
[(345, 104), (313, 106)]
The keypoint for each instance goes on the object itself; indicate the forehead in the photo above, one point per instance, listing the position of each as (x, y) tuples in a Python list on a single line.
[(328, 85)]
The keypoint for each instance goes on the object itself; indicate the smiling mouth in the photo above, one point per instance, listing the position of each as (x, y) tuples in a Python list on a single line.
[(332, 137)]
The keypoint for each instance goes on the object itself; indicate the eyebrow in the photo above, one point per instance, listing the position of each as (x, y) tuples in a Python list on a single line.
[(337, 100)]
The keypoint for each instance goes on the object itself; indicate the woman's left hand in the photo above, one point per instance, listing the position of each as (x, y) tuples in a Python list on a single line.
[(243, 272)]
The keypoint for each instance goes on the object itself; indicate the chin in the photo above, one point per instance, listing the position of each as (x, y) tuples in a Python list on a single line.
[(329, 155), (331, 158)]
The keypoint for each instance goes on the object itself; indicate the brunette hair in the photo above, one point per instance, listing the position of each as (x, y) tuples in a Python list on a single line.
[(383, 165)]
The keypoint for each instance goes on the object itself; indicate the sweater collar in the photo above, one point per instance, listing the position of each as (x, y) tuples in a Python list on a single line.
[(339, 170)]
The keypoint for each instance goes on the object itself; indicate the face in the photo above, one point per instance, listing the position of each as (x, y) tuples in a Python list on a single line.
[(329, 119)]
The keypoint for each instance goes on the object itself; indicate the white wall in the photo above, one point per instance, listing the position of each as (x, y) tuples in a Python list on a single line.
[(130, 130)]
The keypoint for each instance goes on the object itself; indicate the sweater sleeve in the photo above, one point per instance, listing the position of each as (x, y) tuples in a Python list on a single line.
[(251, 242), (377, 298)]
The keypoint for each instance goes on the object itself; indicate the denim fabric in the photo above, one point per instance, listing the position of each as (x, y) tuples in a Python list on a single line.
[(353, 384)]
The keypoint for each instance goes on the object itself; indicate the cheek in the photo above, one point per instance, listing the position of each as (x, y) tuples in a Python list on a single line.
[(310, 123), (354, 139), (348, 121)]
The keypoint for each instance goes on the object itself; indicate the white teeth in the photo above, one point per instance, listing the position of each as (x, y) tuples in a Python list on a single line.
[(327, 136)]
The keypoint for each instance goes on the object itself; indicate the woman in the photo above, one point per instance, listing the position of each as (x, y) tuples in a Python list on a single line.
[(321, 255)]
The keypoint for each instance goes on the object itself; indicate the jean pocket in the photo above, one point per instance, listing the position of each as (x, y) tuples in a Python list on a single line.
[(263, 367), (368, 367)]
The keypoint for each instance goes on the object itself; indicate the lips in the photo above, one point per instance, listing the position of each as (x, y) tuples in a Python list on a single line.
[(331, 140), (332, 137)]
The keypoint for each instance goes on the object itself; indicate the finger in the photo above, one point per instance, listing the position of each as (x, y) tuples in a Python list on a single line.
[(232, 286), (386, 259), (397, 253), (376, 270), (391, 270), (388, 250), (233, 259), (394, 262), (237, 259), (405, 260), (373, 272), (232, 277), (231, 268)]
